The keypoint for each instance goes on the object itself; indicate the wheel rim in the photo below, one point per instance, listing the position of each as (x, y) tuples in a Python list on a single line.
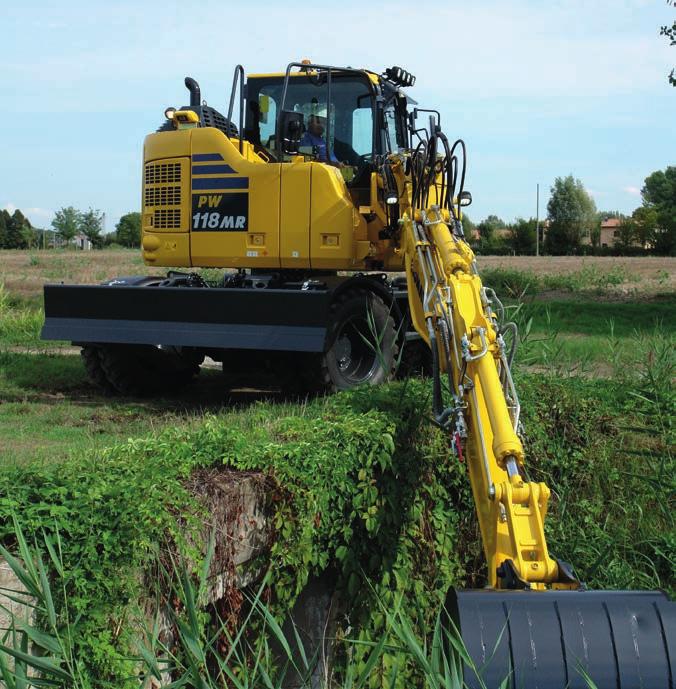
[(355, 354)]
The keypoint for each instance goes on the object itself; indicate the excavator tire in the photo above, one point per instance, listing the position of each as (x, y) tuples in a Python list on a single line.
[(565, 639), (362, 342), (91, 357), (137, 370)]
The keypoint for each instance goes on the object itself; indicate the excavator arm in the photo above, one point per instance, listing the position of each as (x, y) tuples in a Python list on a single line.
[(536, 625), (453, 312)]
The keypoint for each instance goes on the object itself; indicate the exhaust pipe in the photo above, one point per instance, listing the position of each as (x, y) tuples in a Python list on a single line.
[(194, 88)]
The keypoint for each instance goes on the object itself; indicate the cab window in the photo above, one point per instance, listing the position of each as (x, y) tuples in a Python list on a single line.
[(348, 121)]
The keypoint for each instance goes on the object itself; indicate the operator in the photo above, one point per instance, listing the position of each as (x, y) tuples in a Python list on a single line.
[(314, 136)]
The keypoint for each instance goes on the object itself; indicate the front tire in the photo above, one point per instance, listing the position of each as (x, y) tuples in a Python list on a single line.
[(362, 342)]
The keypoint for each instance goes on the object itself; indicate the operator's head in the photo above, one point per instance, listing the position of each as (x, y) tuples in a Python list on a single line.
[(315, 125)]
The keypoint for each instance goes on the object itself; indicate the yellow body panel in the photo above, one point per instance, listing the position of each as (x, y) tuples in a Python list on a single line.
[(338, 238), (295, 217), (290, 215), (258, 246), (166, 249)]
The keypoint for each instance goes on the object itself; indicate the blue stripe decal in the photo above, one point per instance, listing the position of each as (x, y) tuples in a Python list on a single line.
[(212, 169), (206, 157), (221, 183)]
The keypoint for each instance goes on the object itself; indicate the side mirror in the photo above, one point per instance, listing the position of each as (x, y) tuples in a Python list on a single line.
[(291, 131), (465, 198)]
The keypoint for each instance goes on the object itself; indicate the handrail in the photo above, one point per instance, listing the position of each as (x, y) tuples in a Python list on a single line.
[(239, 70)]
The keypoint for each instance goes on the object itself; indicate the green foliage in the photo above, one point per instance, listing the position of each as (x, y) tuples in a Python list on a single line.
[(361, 485), (128, 230), (91, 225), (490, 242), (4, 219), (659, 193), (66, 222), (669, 32), (645, 222), (509, 282), (626, 234), (351, 492), (15, 231), (572, 215), (521, 238), (613, 491), (18, 325)]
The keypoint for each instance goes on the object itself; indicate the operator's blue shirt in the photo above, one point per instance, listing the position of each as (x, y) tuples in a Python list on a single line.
[(319, 144)]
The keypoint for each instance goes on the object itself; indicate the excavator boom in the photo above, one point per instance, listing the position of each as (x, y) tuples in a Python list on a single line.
[(536, 625)]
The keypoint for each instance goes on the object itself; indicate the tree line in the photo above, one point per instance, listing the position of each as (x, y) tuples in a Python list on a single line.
[(573, 223), (17, 232)]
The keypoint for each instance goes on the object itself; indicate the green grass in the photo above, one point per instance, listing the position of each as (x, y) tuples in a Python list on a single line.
[(398, 515), (594, 338), (49, 411), (19, 323), (595, 318), (513, 282)]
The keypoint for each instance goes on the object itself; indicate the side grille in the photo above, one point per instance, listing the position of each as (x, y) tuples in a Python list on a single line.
[(165, 194), (162, 196), (167, 219), (161, 173)]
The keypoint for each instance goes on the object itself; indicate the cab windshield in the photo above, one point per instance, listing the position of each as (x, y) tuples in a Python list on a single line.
[(348, 119)]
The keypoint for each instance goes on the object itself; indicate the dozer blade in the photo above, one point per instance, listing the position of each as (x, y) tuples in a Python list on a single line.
[(556, 639)]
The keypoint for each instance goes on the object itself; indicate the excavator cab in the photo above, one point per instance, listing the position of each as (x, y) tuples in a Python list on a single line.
[(342, 117)]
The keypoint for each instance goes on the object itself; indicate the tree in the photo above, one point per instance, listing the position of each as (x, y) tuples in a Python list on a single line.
[(488, 239), (91, 225), (595, 234), (469, 228), (626, 234), (659, 193), (572, 215), (128, 230), (66, 223), (521, 237), (4, 219), (645, 225), (670, 33), (15, 229)]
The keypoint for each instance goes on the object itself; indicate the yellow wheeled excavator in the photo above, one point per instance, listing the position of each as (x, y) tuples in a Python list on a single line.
[(332, 182)]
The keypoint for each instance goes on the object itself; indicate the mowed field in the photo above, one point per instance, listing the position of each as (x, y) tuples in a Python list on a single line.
[(24, 273), (587, 316)]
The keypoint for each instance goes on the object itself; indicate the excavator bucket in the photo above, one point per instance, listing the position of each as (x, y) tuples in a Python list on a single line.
[(566, 639)]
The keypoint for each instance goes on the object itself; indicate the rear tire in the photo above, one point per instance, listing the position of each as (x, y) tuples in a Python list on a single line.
[(362, 342), (137, 369), (91, 357)]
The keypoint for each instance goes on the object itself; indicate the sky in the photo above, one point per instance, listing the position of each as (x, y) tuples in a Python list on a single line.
[(536, 89)]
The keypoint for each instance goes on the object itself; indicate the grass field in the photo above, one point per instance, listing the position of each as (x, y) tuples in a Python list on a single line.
[(594, 371), (591, 316)]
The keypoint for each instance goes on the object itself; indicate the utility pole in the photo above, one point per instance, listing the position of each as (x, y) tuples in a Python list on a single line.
[(537, 220)]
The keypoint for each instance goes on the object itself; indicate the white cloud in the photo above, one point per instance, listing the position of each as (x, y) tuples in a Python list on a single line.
[(38, 217), (634, 191), (42, 212)]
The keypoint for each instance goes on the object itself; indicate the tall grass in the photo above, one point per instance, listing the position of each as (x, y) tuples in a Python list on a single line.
[(38, 652), (19, 325)]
